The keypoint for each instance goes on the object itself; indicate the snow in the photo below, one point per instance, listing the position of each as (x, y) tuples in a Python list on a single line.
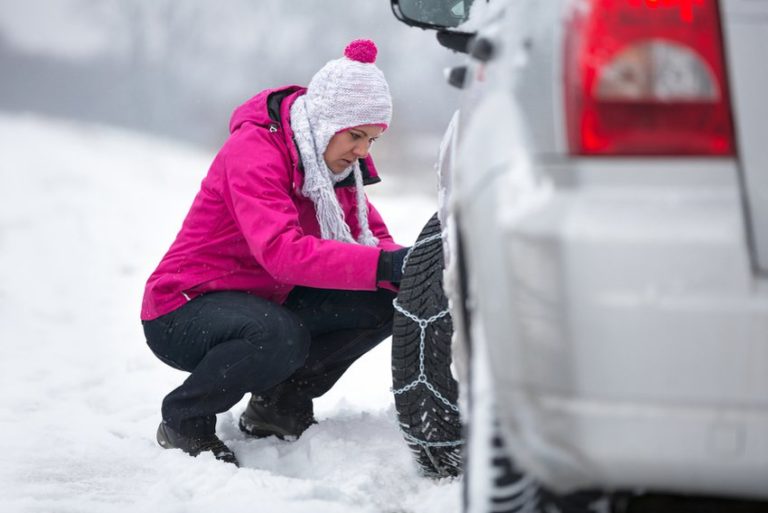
[(86, 212)]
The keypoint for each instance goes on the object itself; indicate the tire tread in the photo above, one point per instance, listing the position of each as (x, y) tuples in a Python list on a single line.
[(420, 413)]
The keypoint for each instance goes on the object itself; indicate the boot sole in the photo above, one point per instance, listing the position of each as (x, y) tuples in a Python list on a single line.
[(162, 438)]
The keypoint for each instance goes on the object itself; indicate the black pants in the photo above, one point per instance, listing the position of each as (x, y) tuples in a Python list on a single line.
[(233, 343)]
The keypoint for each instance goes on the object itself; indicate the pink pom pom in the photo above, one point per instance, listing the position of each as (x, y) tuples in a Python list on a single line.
[(361, 50)]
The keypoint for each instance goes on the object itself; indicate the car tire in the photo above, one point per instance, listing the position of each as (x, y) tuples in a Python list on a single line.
[(426, 398)]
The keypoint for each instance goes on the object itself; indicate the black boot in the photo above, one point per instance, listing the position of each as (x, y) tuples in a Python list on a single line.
[(263, 418), (171, 439)]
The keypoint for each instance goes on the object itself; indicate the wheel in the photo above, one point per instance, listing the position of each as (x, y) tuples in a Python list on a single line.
[(426, 394)]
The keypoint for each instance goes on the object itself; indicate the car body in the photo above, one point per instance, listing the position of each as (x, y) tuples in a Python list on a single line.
[(607, 174)]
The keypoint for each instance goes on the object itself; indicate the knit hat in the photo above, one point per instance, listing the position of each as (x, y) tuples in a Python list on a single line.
[(345, 93)]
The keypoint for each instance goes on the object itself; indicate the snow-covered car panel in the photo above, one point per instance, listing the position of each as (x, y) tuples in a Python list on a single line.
[(625, 332), (628, 333), (625, 318)]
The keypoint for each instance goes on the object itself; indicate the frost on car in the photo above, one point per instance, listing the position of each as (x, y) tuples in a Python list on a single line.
[(608, 182)]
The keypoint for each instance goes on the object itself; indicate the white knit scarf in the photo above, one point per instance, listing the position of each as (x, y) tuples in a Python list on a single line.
[(312, 140)]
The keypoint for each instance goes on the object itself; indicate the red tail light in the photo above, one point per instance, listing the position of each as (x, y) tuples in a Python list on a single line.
[(646, 77)]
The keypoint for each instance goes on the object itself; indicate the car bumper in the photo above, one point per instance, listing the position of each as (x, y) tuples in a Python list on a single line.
[(628, 336)]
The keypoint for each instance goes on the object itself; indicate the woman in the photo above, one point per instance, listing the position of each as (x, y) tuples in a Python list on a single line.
[(282, 273)]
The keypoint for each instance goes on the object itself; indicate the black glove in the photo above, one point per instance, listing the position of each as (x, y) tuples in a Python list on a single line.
[(390, 266)]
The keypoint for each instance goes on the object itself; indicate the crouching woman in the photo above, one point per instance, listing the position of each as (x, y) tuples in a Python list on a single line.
[(280, 277)]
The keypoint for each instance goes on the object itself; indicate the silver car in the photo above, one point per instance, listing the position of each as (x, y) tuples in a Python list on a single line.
[(605, 220)]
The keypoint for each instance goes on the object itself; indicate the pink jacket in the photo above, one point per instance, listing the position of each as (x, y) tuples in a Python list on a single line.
[(250, 228)]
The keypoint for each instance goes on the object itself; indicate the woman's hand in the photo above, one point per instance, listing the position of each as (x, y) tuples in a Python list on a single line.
[(390, 267)]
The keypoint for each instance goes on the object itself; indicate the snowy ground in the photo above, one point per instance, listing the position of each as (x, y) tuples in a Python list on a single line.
[(86, 212)]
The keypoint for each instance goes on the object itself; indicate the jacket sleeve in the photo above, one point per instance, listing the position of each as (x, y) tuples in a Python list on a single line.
[(257, 189)]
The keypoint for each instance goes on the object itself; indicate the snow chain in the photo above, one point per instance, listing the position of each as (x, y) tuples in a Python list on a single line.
[(421, 379)]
